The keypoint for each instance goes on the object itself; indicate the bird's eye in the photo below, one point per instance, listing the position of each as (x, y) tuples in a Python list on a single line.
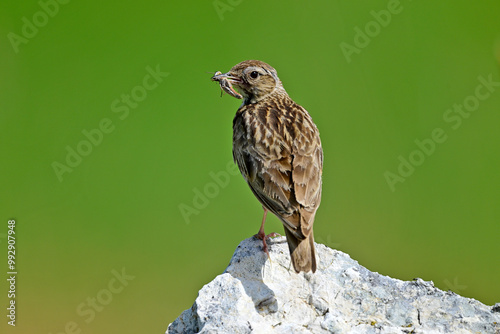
[(254, 75)]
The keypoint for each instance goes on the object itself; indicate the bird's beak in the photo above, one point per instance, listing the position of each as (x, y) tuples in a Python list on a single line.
[(226, 81), (218, 76)]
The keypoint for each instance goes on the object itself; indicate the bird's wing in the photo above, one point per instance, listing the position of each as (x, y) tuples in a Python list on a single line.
[(265, 164), (282, 165), (307, 169)]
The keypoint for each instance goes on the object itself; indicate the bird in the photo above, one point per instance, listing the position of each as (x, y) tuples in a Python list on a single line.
[(278, 150)]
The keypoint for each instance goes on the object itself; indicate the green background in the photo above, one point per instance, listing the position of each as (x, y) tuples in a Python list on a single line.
[(120, 207)]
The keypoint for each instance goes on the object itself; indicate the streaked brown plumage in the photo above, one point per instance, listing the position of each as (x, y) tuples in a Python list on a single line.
[(278, 151)]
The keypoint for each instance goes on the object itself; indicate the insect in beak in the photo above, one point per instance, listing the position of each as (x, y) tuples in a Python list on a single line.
[(225, 81)]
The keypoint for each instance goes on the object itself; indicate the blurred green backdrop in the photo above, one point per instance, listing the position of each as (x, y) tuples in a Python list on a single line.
[(373, 83)]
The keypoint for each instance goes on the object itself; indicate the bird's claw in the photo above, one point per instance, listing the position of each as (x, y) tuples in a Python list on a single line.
[(263, 237)]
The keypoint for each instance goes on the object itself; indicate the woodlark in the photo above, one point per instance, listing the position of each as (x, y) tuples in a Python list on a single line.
[(278, 151)]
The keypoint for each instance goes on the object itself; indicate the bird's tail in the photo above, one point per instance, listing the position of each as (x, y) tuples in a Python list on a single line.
[(302, 252)]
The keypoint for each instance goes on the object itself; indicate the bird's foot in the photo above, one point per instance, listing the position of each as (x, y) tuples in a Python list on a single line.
[(261, 235)]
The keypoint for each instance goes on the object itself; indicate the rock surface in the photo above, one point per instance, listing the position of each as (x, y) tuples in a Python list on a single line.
[(254, 295)]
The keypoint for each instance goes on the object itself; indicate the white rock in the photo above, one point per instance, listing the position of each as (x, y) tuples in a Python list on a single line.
[(254, 295)]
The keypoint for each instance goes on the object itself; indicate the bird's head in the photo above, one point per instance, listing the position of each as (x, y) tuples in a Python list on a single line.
[(254, 80)]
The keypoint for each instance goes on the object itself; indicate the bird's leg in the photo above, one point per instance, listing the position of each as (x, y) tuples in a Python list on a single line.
[(262, 235)]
